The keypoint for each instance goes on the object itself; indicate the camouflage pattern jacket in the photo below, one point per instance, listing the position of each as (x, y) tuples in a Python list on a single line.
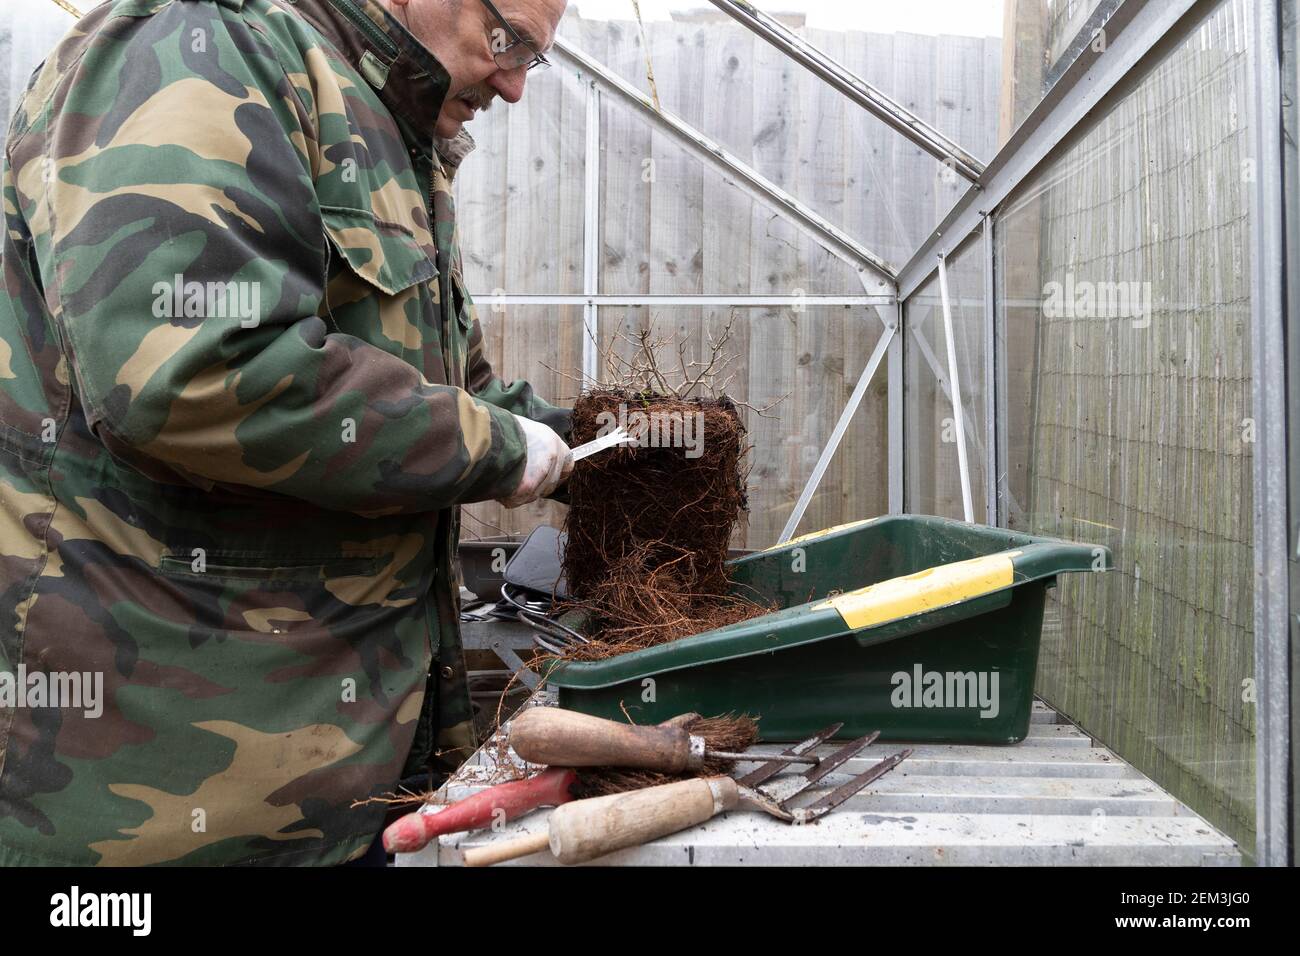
[(242, 391)]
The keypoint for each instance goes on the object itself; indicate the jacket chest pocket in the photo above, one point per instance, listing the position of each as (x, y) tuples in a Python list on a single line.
[(383, 288)]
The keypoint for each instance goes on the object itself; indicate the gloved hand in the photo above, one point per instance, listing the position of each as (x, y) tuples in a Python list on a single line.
[(550, 461)]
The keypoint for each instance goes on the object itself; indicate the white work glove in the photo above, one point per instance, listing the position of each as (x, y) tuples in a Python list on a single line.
[(550, 461)]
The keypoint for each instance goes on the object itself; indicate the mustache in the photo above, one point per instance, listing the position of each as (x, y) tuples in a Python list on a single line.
[(478, 97)]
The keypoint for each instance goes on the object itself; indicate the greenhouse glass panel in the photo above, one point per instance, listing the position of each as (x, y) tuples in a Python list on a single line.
[(543, 344), (1123, 276), (672, 224), (931, 465), (1044, 38), (791, 126), (520, 194)]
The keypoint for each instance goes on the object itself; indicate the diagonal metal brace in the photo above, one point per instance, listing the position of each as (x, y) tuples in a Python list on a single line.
[(737, 172), (891, 113)]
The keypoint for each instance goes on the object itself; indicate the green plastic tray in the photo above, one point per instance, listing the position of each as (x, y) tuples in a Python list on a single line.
[(924, 628)]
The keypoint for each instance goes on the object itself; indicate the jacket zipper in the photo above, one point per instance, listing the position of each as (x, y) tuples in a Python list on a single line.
[(446, 301), (367, 26), (446, 320), (445, 528)]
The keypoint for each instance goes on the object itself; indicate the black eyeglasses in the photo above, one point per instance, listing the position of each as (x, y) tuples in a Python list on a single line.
[(507, 53)]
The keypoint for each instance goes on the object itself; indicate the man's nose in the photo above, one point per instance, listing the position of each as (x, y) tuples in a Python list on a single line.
[(509, 84)]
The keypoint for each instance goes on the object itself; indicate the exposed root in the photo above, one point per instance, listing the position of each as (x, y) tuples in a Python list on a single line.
[(649, 524)]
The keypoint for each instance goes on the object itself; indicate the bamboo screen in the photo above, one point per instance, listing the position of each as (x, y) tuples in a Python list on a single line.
[(1129, 419)]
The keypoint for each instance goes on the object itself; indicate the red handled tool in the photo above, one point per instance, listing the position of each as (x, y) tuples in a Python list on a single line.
[(550, 788)]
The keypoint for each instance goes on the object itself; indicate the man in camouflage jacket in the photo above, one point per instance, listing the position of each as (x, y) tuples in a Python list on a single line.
[(242, 393)]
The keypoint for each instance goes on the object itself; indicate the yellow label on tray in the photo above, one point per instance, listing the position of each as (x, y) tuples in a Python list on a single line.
[(916, 593), (818, 534)]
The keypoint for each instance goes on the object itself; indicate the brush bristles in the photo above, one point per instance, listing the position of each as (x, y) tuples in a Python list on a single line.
[(728, 733)]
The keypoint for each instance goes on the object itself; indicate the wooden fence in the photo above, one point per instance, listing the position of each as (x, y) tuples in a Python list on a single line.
[(669, 224)]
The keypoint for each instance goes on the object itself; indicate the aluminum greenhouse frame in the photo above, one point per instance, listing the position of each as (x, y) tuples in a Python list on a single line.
[(1139, 34)]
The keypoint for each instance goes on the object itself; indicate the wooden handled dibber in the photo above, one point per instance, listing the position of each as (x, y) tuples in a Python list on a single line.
[(563, 738), (586, 829)]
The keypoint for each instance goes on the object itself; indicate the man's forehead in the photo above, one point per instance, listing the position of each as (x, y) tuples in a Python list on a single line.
[(535, 20)]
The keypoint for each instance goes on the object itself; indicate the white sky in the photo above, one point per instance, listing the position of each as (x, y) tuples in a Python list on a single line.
[(958, 17)]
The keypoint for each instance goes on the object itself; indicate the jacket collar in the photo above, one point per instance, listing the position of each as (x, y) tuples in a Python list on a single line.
[(453, 151), (408, 77)]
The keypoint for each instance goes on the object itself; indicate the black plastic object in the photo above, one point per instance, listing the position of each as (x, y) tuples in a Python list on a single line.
[(482, 562), (537, 566)]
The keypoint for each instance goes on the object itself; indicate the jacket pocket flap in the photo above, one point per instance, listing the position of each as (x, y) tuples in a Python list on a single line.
[(461, 303), (385, 254)]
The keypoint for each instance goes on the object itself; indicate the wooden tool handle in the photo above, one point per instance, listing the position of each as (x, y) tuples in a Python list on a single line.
[(586, 829), (681, 720), (507, 849), (548, 789), (563, 738)]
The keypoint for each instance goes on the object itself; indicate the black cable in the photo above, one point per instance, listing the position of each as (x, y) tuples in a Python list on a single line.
[(539, 621)]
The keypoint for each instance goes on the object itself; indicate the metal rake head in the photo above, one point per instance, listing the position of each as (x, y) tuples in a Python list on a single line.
[(776, 798)]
